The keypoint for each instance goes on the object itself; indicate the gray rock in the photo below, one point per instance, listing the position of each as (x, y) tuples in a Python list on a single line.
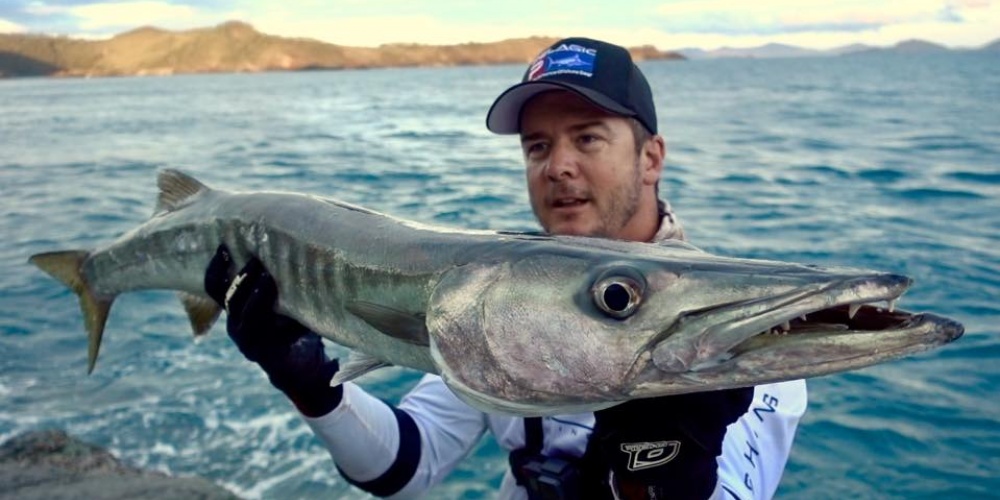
[(53, 465)]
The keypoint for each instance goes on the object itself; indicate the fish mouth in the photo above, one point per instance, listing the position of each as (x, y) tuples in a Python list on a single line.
[(814, 329), (842, 318)]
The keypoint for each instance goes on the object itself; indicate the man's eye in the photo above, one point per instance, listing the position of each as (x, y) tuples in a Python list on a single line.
[(588, 139), (535, 149)]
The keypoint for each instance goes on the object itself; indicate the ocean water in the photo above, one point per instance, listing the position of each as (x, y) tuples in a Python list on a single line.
[(887, 162)]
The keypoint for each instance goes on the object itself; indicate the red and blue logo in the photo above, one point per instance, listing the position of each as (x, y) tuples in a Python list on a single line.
[(565, 59)]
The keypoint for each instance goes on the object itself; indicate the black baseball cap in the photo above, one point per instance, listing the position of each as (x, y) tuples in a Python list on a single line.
[(600, 72)]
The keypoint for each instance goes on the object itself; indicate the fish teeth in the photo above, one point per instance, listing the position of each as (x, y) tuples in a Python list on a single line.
[(782, 329), (852, 310), (803, 317), (892, 305)]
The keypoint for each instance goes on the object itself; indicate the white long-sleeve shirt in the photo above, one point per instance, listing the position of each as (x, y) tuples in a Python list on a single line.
[(363, 438), (437, 430)]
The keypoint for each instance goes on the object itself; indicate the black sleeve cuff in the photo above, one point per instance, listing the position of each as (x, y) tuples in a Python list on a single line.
[(403, 468)]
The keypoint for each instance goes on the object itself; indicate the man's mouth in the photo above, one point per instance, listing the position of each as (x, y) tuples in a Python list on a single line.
[(568, 202)]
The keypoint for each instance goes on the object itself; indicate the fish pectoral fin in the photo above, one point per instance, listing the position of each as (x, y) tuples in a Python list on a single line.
[(65, 267), (357, 365), (176, 188), (201, 310), (402, 325)]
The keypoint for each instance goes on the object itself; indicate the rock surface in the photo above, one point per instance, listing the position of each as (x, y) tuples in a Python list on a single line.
[(52, 465)]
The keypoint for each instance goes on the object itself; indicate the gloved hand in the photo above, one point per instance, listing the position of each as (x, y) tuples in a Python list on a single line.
[(292, 356), (666, 447)]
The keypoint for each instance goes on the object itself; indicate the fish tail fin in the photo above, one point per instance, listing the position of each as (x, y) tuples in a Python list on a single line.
[(176, 190), (65, 267), (202, 311)]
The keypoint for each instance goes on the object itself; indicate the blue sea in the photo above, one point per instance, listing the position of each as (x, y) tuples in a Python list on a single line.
[(884, 161)]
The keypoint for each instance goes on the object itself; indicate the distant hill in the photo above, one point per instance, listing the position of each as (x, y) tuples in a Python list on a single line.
[(909, 47), (770, 51), (238, 47), (849, 49), (993, 46), (777, 50), (693, 53), (918, 47)]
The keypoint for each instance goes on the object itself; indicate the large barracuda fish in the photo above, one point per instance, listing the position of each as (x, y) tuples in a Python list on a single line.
[(520, 323)]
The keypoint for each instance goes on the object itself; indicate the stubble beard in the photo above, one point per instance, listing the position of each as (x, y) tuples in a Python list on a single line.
[(622, 206)]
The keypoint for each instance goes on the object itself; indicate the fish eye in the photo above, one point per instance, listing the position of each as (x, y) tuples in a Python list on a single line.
[(618, 296)]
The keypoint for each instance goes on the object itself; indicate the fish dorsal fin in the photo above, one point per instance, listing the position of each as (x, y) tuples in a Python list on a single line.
[(176, 188), (408, 327), (357, 365)]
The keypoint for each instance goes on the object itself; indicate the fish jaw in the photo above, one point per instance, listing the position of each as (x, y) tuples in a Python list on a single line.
[(700, 338), (813, 331)]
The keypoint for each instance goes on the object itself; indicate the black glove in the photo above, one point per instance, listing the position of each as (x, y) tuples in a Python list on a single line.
[(666, 447), (292, 356)]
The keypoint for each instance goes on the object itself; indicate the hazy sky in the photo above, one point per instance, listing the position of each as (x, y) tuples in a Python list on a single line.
[(668, 24)]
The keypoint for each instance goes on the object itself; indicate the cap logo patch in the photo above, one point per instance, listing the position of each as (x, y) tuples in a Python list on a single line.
[(566, 59)]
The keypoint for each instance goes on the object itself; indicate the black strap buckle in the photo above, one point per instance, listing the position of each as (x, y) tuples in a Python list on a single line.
[(545, 478)]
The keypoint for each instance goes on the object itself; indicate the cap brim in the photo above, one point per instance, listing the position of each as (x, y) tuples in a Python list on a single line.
[(504, 116)]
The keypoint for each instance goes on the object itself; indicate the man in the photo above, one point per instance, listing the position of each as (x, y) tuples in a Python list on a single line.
[(588, 130)]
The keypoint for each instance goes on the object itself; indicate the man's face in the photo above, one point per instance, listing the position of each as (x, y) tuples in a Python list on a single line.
[(584, 175)]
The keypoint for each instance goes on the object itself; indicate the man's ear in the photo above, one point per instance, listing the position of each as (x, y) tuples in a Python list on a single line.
[(653, 154)]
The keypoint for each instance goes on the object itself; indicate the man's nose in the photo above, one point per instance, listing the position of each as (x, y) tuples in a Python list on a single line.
[(562, 162)]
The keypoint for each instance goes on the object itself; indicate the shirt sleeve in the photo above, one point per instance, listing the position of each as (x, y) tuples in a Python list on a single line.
[(399, 452), (756, 447)]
